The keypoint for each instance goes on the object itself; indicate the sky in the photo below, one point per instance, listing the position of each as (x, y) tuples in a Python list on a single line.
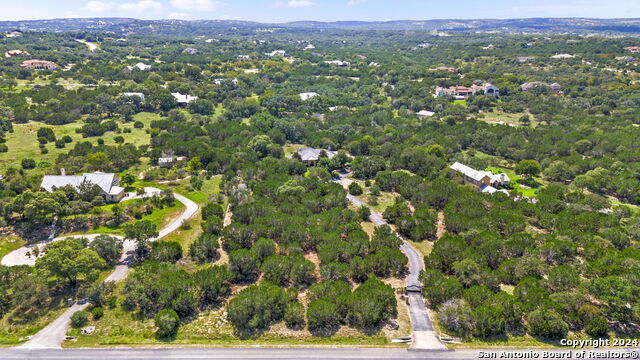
[(321, 10)]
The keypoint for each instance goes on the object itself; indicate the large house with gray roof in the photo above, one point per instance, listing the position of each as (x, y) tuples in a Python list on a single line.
[(311, 156), (107, 182), (486, 181)]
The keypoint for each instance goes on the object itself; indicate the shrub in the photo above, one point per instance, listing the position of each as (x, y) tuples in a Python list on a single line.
[(322, 316), (294, 315), (67, 139), (167, 322), (204, 249), (3, 148), (168, 251), (138, 124), (256, 307), (546, 323), (28, 163), (364, 213), (79, 319), (97, 313), (244, 265), (355, 189), (60, 144)]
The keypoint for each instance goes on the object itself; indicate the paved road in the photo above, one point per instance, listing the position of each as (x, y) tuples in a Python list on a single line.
[(280, 354), (424, 336), (54, 333)]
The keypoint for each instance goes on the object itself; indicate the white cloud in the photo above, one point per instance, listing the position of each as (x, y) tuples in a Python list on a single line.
[(99, 6), (196, 5), (140, 6), (300, 3), (178, 16), (356, 2)]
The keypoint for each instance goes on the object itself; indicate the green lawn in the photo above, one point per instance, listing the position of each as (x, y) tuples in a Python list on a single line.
[(515, 181), (9, 243), (159, 217), (23, 142)]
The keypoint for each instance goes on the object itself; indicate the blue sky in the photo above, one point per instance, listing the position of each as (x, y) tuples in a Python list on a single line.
[(323, 10)]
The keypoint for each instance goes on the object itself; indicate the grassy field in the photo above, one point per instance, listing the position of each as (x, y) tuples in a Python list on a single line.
[(159, 217), (9, 243), (13, 327), (23, 142), (515, 181), (503, 118)]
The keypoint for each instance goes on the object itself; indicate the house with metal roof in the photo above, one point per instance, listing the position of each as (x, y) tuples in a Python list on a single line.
[(311, 156), (107, 182), (486, 181)]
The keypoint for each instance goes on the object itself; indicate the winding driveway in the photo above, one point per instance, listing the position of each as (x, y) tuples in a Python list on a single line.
[(53, 334), (424, 336)]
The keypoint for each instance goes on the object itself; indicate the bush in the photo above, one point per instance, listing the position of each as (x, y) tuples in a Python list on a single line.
[(204, 249), (364, 213), (355, 189), (67, 139), (60, 144), (28, 163), (79, 319), (294, 315), (3, 148), (167, 251), (322, 316), (547, 324), (138, 124), (167, 322), (244, 265), (256, 307), (97, 313)]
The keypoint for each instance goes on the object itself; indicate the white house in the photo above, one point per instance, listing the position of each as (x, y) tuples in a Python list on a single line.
[(184, 99), (423, 114), (107, 182), (563, 56), (139, 66), (486, 181), (308, 95), (338, 63), (277, 52)]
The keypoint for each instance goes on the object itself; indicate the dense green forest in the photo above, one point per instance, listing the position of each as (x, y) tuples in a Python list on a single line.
[(276, 241)]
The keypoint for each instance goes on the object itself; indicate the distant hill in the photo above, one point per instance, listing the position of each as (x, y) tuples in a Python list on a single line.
[(507, 26)]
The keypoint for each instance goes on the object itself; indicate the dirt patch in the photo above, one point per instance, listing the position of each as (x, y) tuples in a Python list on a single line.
[(441, 227)]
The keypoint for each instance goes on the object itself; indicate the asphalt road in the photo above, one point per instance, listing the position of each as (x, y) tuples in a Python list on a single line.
[(52, 335), (292, 354), (424, 336)]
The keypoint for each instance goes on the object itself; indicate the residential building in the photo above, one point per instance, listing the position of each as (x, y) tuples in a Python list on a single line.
[(461, 92), (423, 114), (12, 53), (633, 49), (107, 182), (307, 95), (244, 57), (39, 65), (563, 56), (309, 47), (169, 161), (184, 99), (277, 53), (311, 156), (555, 87), (525, 58), (190, 51), (486, 181), (13, 34), (139, 66), (338, 63)]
